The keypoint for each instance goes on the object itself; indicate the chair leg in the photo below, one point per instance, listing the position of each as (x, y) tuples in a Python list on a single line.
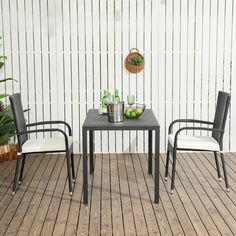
[(22, 168), (217, 166), (72, 166), (16, 174), (173, 172), (225, 173), (167, 164), (68, 159)]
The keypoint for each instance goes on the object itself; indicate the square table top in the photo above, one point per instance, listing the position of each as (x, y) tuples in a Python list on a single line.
[(95, 121)]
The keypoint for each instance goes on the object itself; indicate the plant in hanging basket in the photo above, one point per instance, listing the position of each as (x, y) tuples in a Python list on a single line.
[(134, 62)]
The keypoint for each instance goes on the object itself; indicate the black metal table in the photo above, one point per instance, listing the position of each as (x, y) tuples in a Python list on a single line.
[(94, 122)]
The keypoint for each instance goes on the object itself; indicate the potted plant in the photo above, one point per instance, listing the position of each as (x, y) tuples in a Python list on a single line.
[(7, 127)]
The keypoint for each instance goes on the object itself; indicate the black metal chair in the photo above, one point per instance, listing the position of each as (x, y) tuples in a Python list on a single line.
[(40, 145), (212, 143)]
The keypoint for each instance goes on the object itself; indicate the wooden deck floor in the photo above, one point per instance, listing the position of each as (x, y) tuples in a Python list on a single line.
[(121, 194)]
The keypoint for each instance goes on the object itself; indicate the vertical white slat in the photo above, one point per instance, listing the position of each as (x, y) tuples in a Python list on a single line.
[(184, 58), (15, 52), (212, 59), (168, 66), (45, 50), (103, 62), (227, 64), (190, 65), (59, 96), (197, 61), (97, 76), (37, 14), (83, 99), (126, 76), (89, 54), (110, 62), (147, 54), (52, 44), (5, 42), (76, 126), (162, 71), (31, 62), (232, 115), (140, 76), (132, 77), (155, 80), (67, 60), (175, 57), (205, 59), (117, 61)]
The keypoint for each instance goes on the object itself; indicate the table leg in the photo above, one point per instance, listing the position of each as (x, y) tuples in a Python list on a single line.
[(150, 152), (157, 165), (91, 151), (85, 167)]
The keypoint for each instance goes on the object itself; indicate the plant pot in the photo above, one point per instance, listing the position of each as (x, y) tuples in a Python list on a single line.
[(134, 52), (8, 152)]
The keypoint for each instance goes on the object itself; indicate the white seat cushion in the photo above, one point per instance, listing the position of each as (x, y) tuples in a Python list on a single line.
[(45, 144), (195, 142)]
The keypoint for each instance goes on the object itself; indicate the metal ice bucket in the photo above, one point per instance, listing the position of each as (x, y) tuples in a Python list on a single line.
[(115, 112)]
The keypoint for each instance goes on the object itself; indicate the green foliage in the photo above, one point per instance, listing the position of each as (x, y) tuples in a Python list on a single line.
[(7, 127), (136, 60)]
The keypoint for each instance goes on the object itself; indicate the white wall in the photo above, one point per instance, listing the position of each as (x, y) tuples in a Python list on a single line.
[(64, 53)]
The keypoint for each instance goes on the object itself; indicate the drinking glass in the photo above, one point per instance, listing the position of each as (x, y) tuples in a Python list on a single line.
[(130, 99)]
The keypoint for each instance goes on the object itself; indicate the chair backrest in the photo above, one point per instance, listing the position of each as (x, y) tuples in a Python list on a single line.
[(221, 113), (19, 118)]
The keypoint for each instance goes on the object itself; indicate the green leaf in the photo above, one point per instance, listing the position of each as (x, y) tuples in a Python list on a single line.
[(3, 96), (4, 138), (1, 65), (7, 128), (3, 57), (7, 79)]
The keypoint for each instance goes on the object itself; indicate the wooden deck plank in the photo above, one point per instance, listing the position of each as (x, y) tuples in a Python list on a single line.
[(229, 209), (129, 225), (7, 176), (51, 178), (189, 208), (146, 199), (139, 219), (117, 219), (84, 216), (196, 201), (74, 211), (51, 216), (95, 219), (120, 198), (63, 210), (199, 186), (36, 200), (168, 207), (25, 202), (106, 222), (6, 218)]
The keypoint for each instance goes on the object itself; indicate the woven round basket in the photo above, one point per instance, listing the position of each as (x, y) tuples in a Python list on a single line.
[(134, 52), (8, 152)]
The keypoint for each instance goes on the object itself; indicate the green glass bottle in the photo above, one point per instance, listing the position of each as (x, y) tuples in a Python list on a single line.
[(117, 97), (104, 99)]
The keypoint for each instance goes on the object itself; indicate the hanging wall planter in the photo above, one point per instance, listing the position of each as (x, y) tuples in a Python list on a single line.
[(134, 62)]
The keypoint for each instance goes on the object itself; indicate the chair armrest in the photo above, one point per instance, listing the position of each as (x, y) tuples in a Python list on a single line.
[(48, 130), (188, 121), (194, 128), (50, 123)]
